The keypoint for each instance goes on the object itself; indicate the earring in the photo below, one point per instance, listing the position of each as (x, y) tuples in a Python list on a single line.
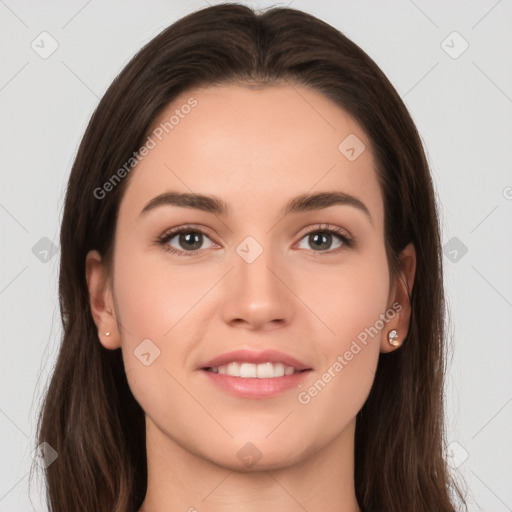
[(107, 334), (393, 338)]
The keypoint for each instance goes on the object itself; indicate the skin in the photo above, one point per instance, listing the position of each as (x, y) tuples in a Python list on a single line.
[(255, 149)]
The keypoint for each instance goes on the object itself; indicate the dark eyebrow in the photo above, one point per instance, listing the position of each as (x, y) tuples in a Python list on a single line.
[(215, 205), (321, 200), (210, 204)]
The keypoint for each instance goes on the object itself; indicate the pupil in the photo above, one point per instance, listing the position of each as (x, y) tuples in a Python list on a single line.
[(320, 239), (194, 238)]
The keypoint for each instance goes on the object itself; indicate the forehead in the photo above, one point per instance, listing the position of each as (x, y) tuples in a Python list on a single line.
[(244, 144)]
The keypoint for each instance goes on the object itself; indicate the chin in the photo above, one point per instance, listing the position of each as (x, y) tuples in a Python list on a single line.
[(246, 456)]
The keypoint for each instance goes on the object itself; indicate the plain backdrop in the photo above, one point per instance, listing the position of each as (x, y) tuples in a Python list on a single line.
[(450, 62)]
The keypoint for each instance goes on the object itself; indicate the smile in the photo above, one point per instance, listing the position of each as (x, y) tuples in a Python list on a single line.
[(250, 370)]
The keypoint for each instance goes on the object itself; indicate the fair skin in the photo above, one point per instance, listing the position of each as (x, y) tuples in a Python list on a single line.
[(255, 149)]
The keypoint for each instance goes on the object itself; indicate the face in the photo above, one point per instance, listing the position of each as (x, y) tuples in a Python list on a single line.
[(299, 283)]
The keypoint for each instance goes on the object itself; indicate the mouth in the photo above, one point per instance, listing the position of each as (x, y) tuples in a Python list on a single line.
[(247, 386), (246, 373), (247, 370)]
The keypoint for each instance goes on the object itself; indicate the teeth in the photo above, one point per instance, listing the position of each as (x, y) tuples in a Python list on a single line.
[(250, 370)]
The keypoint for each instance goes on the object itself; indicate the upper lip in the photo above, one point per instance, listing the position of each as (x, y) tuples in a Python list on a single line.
[(250, 356)]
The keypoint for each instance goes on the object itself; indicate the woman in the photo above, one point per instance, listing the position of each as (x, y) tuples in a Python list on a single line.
[(251, 283)]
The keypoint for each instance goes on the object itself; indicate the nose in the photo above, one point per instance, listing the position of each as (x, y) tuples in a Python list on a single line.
[(256, 295)]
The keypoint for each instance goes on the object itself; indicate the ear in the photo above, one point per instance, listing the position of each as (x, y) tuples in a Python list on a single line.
[(101, 301), (400, 291)]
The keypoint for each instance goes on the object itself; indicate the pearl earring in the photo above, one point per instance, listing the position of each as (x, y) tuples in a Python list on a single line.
[(393, 338), (107, 334)]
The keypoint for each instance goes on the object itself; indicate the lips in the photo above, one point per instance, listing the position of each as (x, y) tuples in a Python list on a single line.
[(234, 373), (248, 356)]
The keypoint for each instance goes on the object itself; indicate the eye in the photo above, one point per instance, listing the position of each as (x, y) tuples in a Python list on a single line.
[(184, 240), (189, 240), (323, 240)]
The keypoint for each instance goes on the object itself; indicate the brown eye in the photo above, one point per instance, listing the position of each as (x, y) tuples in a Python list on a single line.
[(184, 241), (324, 240), (189, 241)]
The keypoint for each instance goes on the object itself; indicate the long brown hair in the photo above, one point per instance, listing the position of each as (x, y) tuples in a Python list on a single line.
[(89, 415)]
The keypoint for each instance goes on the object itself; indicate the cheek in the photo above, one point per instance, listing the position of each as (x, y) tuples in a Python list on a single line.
[(360, 301), (351, 302), (349, 298), (167, 304), (159, 307), (153, 295)]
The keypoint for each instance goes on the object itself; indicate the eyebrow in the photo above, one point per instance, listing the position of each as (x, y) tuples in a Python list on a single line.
[(215, 205)]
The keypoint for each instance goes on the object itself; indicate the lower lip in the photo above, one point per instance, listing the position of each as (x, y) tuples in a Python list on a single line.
[(254, 387)]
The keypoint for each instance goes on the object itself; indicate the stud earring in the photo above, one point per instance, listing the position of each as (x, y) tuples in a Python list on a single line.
[(107, 334), (393, 338)]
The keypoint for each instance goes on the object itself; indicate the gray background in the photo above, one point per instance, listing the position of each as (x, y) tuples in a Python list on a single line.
[(461, 103)]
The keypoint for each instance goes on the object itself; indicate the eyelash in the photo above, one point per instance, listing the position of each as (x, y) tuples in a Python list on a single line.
[(169, 235)]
